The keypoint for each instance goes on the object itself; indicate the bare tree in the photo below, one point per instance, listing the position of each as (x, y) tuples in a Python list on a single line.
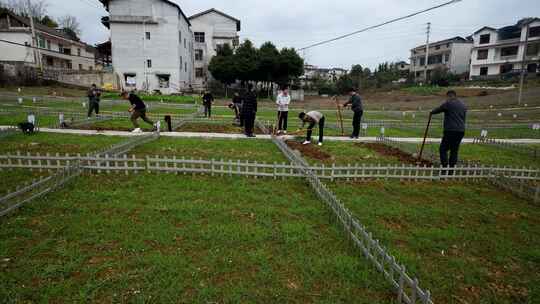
[(70, 24), (27, 8)]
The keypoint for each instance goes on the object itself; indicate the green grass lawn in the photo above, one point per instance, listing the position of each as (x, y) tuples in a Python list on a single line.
[(13, 178), (15, 119), (187, 99), (175, 239), (53, 143), (467, 243), (243, 149), (488, 155)]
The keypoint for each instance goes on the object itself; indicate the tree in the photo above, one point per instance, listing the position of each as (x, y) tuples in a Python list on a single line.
[(48, 21), (345, 83), (27, 8), (268, 69), (290, 66), (223, 66), (246, 59), (71, 26)]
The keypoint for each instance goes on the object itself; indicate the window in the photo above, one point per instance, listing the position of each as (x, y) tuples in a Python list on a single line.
[(69, 65), (198, 55), (130, 80), (67, 51), (50, 61), (163, 81), (482, 54), (422, 61), (80, 67), (484, 39), (448, 45), (438, 47), (534, 31), (181, 60), (446, 58), (532, 49), (484, 71), (185, 66), (90, 68), (148, 36), (505, 68), (199, 37), (78, 52), (185, 43), (48, 44), (180, 37), (149, 63), (61, 48), (41, 42), (509, 51), (532, 68), (435, 59), (199, 72), (236, 42)]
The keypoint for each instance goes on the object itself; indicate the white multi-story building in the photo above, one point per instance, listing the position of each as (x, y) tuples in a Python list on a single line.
[(500, 51), (211, 29), (54, 48), (453, 54), (152, 44)]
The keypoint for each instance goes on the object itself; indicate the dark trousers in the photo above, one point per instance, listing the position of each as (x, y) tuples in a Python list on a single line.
[(450, 142), (357, 119), (321, 130), (207, 110), (283, 117), (142, 114), (249, 122), (93, 106)]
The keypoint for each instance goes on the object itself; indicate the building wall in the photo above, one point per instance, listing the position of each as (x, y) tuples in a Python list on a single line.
[(131, 50), (10, 52), (460, 58), (218, 30)]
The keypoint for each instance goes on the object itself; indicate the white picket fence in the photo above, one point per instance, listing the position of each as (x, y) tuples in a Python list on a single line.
[(114, 160)]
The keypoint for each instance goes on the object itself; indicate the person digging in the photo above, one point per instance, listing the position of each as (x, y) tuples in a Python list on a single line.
[(312, 118), (455, 115), (94, 96), (137, 110), (356, 106)]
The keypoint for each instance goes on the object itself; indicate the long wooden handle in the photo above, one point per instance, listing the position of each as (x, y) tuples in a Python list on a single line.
[(425, 137), (340, 116)]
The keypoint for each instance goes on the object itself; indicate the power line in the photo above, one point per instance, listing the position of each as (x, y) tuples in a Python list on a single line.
[(379, 25)]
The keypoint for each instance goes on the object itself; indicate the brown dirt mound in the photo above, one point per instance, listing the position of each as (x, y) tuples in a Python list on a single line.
[(394, 152), (214, 128), (310, 151)]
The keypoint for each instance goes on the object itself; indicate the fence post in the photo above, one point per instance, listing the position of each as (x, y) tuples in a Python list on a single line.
[(537, 194), (401, 281), (212, 167)]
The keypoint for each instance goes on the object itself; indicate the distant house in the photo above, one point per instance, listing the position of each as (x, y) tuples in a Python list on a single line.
[(312, 73), (500, 51), (453, 54), (403, 66), (151, 44), (211, 29), (55, 48)]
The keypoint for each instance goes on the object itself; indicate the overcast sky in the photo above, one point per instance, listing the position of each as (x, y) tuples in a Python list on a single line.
[(302, 22)]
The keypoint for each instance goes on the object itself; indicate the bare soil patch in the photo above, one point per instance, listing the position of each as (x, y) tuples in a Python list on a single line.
[(394, 152), (310, 151), (214, 128)]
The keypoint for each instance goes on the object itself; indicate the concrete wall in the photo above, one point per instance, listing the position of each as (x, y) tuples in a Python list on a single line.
[(169, 54), (11, 52), (460, 58), (84, 78)]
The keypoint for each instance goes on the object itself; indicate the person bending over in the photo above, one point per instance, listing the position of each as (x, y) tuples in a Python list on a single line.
[(312, 118), (455, 115)]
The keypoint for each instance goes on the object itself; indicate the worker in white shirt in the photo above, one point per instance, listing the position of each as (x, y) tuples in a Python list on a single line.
[(283, 100), (313, 118)]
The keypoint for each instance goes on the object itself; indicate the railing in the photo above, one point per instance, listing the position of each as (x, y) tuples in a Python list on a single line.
[(533, 152)]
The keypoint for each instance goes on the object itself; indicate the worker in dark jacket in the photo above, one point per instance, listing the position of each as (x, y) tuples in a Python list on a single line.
[(356, 106), (237, 104), (137, 110), (94, 96), (208, 99), (455, 115), (249, 111)]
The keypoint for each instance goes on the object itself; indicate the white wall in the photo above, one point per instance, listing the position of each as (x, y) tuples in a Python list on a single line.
[(131, 49), (10, 52), (460, 58)]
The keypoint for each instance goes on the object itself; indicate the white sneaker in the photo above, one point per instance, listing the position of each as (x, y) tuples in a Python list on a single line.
[(285, 132), (137, 130), (319, 144), (307, 142)]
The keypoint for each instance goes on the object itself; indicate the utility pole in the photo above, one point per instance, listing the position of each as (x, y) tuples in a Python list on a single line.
[(37, 55), (427, 52), (523, 60)]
